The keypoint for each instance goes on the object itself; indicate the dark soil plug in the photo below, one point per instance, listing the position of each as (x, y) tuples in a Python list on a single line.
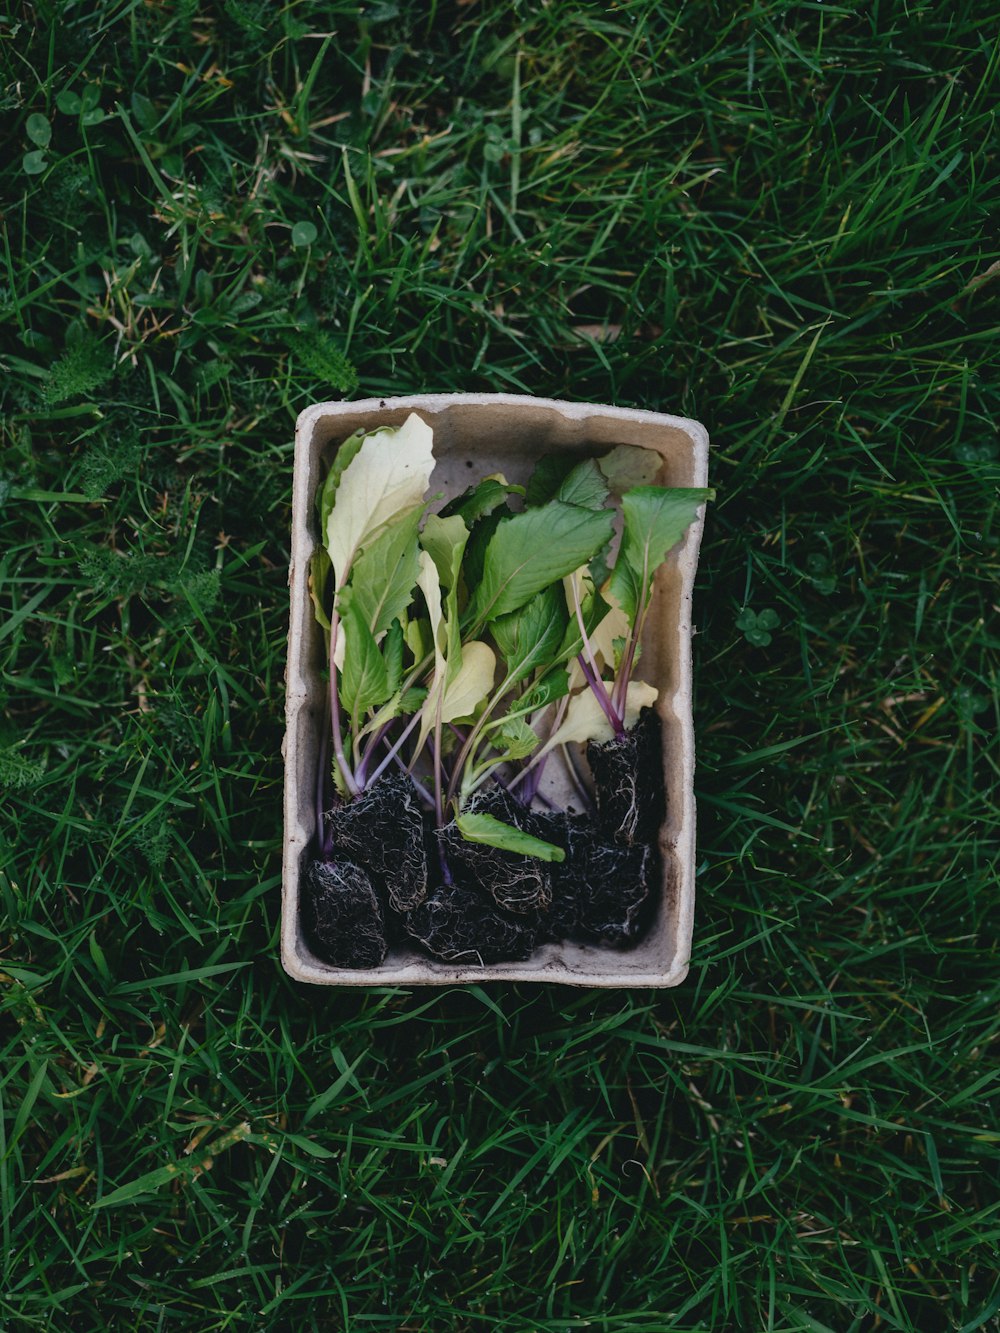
[(383, 830), (459, 925), (628, 779), (611, 886), (342, 915), (519, 884)]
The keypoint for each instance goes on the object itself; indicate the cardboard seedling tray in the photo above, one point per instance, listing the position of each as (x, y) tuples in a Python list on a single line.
[(476, 434)]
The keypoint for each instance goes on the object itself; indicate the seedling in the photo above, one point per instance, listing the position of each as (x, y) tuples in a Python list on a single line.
[(465, 646)]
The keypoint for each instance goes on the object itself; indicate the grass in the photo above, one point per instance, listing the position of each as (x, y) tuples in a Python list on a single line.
[(777, 220)]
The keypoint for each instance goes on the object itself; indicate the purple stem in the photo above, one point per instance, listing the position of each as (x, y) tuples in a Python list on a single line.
[(393, 752), (601, 694), (438, 803)]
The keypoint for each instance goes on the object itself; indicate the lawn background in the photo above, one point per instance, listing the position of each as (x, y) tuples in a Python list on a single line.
[(776, 218)]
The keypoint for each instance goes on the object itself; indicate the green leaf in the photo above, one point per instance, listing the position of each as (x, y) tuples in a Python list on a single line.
[(444, 541), (585, 719), (148, 1183), (481, 500), (553, 685), (319, 353), (387, 476), (344, 455), (495, 833), (384, 576), (69, 102), (417, 632), (532, 550), (656, 518), (593, 609), (34, 163), (629, 465), (392, 655), (145, 112), (38, 130), (514, 739), (319, 576), (585, 486), (479, 539), (549, 474), (466, 689), (303, 234), (364, 680), (530, 637)]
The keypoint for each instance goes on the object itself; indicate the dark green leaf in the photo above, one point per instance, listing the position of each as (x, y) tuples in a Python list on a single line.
[(478, 501), (554, 685), (585, 486), (144, 111), (530, 637), (34, 163), (549, 474), (479, 539), (532, 550), (495, 833), (656, 518), (38, 130), (392, 655), (364, 681), (384, 576)]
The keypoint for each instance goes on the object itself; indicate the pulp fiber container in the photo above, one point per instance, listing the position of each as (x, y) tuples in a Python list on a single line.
[(474, 435)]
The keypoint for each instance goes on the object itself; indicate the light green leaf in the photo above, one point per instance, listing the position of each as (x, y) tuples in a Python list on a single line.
[(593, 608), (444, 541), (384, 576), (629, 465), (532, 550), (514, 739), (585, 719), (656, 518), (431, 588), (495, 833), (427, 580), (387, 477), (530, 637), (417, 632), (344, 455), (471, 683)]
